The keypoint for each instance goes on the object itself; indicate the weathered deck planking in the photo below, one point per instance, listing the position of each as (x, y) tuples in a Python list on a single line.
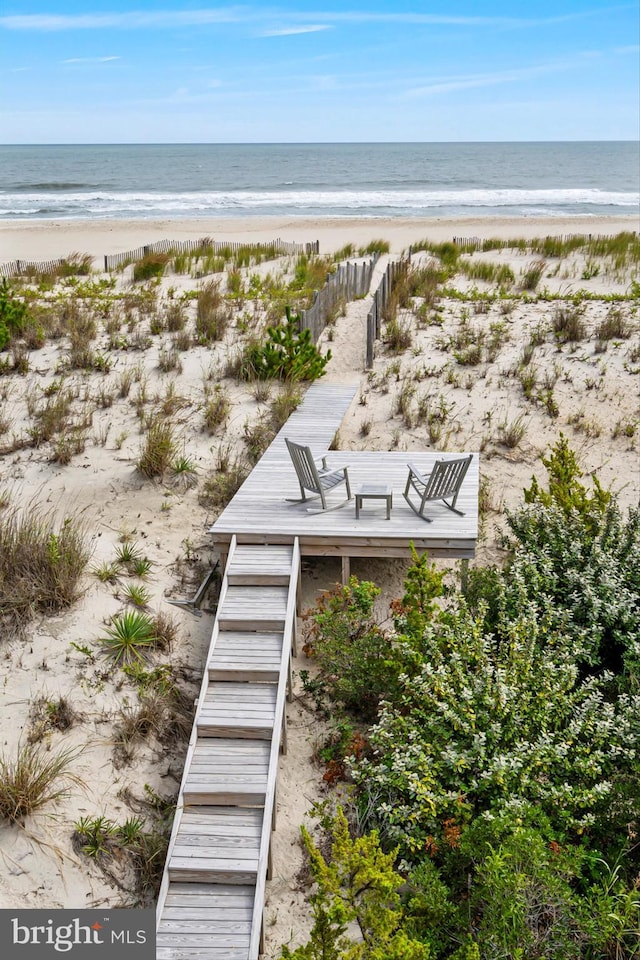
[(195, 909), (256, 565), (226, 806), (223, 771), (253, 608), (262, 511), (337, 532), (217, 845), (246, 655), (238, 709)]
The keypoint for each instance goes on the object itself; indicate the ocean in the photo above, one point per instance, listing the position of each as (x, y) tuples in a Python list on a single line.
[(173, 181)]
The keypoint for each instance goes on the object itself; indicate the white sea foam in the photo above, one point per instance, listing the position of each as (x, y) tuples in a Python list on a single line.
[(319, 202)]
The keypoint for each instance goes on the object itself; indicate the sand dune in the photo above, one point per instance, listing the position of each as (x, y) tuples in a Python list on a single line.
[(417, 398)]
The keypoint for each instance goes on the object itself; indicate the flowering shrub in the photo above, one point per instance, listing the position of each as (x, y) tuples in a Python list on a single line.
[(492, 724), (504, 761)]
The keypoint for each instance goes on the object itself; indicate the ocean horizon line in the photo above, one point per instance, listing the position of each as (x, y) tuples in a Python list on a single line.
[(297, 143)]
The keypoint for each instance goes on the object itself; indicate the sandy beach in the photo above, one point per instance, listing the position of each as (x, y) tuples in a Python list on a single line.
[(587, 389), (46, 239)]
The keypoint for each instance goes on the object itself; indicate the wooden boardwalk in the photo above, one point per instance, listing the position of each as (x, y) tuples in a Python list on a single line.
[(261, 511), (211, 899)]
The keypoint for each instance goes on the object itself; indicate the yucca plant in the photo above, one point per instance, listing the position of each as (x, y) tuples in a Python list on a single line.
[(141, 567), (106, 572), (130, 635), (184, 472), (95, 836), (128, 553), (136, 594)]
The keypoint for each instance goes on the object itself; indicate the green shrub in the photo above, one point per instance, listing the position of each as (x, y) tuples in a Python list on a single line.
[(150, 266), (287, 354), (490, 724), (529, 896), (13, 314), (355, 886), (565, 490), (355, 658)]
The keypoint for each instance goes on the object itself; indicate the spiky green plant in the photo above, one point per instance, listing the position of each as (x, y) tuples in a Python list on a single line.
[(136, 594), (141, 567), (130, 635), (128, 552), (185, 474), (106, 572), (95, 836)]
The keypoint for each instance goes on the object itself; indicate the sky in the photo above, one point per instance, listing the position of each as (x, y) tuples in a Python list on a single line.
[(134, 71)]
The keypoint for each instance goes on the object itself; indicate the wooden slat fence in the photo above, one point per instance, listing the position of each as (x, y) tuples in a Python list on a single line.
[(16, 268), (350, 281), (282, 247), (395, 269), (479, 243)]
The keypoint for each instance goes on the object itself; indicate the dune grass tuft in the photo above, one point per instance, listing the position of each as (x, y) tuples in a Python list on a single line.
[(158, 450), (34, 779), (40, 563)]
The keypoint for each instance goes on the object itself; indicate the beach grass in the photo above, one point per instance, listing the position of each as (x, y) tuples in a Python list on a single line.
[(35, 778), (41, 562)]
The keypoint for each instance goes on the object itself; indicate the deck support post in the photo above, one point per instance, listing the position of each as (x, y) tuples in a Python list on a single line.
[(290, 681), (346, 570), (464, 575)]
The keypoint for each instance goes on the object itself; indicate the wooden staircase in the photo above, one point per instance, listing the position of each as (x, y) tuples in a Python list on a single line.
[(211, 900)]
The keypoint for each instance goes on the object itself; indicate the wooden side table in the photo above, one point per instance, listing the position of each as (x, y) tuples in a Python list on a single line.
[(374, 491)]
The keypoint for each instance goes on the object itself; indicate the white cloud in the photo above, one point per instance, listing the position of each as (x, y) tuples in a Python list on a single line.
[(324, 82), (292, 31), (131, 20), (238, 14), (467, 82), (90, 59)]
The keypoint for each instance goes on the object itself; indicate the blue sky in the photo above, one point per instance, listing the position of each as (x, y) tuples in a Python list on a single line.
[(128, 71)]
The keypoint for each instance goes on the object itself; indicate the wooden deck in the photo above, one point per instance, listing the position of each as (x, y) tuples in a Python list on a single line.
[(211, 899), (261, 512)]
